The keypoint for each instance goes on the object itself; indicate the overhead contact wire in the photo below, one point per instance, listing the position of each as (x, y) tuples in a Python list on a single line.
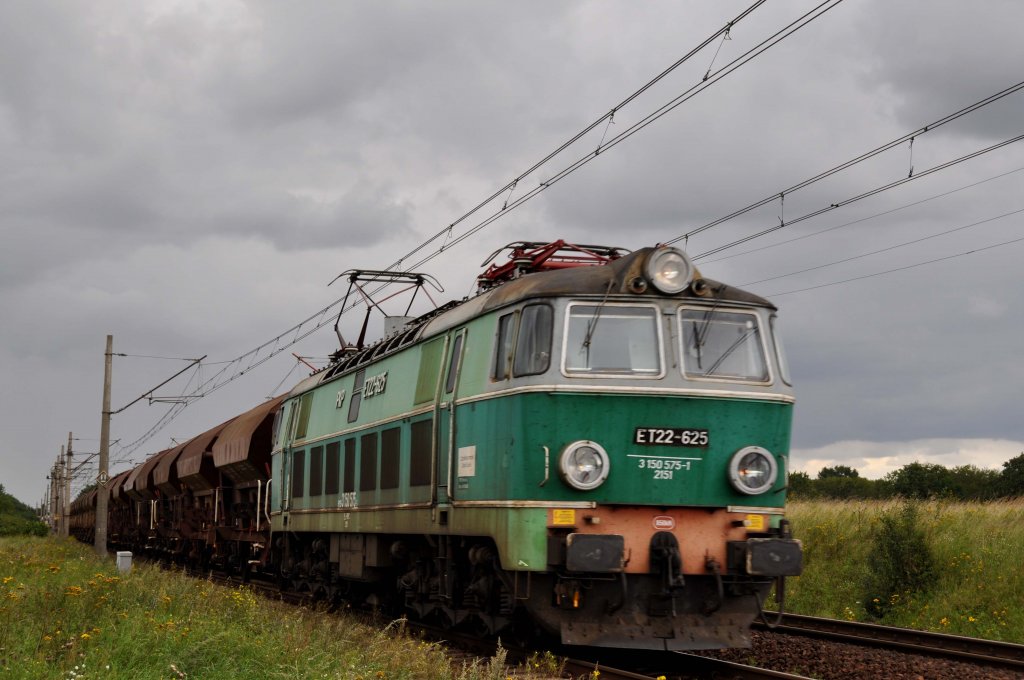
[(949, 118), (866, 194), (864, 219), (900, 269), (579, 135), (777, 37), (884, 250)]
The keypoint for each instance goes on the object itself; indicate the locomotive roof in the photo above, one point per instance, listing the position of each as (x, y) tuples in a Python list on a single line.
[(617, 278), (614, 278)]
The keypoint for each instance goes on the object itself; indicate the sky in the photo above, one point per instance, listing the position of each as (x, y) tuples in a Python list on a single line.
[(189, 176)]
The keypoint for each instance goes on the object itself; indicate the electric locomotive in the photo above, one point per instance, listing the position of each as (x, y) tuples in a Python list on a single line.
[(596, 443)]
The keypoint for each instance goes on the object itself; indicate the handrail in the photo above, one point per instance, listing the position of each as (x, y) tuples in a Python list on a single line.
[(259, 501), (266, 501)]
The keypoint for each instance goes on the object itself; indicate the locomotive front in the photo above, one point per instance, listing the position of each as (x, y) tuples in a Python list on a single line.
[(634, 420)]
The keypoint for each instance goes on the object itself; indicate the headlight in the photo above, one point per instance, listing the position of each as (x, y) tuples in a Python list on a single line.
[(669, 270), (752, 470), (584, 465)]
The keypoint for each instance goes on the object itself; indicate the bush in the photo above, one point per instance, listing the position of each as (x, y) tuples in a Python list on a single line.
[(900, 563)]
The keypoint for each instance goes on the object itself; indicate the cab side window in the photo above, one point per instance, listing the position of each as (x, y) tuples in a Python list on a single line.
[(503, 348), (533, 346)]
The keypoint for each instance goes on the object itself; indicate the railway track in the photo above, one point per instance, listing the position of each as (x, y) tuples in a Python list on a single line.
[(972, 650), (670, 664), (630, 665)]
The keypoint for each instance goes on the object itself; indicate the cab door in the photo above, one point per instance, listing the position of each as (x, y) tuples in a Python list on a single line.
[(298, 418), (444, 415)]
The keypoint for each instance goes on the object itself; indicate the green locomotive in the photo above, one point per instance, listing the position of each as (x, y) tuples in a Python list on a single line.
[(595, 444)]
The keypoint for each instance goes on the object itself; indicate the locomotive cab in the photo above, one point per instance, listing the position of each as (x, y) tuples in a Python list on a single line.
[(660, 404)]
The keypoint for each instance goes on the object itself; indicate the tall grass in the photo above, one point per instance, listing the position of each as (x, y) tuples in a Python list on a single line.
[(66, 614), (977, 550)]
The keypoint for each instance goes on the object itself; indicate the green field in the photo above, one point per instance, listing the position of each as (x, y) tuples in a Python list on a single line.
[(65, 614), (975, 584)]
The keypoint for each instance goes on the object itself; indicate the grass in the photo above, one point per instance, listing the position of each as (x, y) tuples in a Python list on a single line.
[(976, 551), (66, 614)]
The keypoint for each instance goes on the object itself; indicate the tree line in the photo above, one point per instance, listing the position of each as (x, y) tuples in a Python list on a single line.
[(16, 518), (915, 480)]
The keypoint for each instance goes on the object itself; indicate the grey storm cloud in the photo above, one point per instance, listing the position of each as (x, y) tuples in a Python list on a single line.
[(189, 176)]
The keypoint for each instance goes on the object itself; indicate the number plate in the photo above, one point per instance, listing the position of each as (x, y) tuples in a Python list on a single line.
[(670, 436)]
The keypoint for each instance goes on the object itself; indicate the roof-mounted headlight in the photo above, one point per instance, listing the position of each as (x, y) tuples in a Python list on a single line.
[(584, 465), (752, 470), (669, 269)]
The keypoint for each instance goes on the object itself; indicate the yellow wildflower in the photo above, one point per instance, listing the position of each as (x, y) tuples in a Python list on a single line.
[(85, 636), (8, 579)]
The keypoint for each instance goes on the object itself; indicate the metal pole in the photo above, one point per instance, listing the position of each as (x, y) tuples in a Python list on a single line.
[(67, 490), (50, 500), (101, 480), (54, 495), (61, 473)]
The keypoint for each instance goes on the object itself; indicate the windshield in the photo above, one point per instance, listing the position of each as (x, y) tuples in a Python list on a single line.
[(612, 339), (725, 345)]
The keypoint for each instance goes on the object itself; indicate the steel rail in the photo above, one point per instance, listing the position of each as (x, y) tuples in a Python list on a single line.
[(652, 664), (973, 650), (710, 667)]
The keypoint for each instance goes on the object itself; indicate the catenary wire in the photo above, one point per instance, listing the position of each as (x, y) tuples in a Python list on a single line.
[(866, 194), (511, 184), (884, 250), (856, 160), (863, 219), (899, 269), (740, 61)]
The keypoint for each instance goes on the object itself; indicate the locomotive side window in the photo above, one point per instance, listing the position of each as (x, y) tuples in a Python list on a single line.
[(298, 474), (503, 347), (350, 466), (422, 439), (722, 345), (780, 354), (612, 339), (368, 462), (390, 449), (289, 429), (316, 471), (453, 363), (275, 429), (333, 467), (533, 346), (357, 395), (430, 364), (303, 421)]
